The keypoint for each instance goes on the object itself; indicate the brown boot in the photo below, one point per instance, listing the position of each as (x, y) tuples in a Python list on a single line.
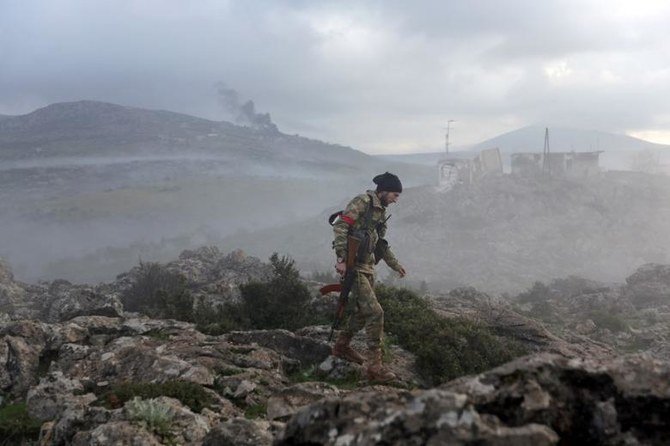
[(343, 350), (376, 371)]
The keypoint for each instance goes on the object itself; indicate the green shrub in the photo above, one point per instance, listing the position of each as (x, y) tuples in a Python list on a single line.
[(281, 302), (255, 411), (16, 426), (544, 311), (539, 292), (609, 320), (153, 414), (190, 394), (159, 293), (444, 348), (324, 277), (221, 319)]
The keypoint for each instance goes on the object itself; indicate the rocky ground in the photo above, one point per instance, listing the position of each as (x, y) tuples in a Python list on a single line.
[(76, 358)]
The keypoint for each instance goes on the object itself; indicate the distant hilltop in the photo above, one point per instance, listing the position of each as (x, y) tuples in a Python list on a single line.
[(531, 139), (100, 129)]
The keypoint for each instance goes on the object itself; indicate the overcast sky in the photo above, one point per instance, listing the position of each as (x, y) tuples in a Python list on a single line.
[(381, 76)]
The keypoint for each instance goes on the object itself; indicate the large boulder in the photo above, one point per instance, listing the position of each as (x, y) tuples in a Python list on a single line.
[(212, 277), (57, 301), (239, 432), (431, 417), (585, 401), (12, 294), (289, 400), (63, 301)]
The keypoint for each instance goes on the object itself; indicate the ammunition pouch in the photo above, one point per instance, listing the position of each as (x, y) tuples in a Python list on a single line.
[(380, 250), (366, 242)]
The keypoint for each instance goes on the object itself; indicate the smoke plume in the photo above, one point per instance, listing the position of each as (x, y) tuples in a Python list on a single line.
[(244, 114)]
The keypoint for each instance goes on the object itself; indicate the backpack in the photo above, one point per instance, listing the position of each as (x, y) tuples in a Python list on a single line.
[(334, 217)]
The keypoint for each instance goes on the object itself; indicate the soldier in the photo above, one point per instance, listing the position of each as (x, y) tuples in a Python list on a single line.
[(367, 212)]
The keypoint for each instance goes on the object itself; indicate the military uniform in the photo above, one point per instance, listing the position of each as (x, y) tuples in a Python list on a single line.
[(367, 313)]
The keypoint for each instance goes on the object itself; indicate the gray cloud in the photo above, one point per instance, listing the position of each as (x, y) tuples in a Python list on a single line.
[(380, 76)]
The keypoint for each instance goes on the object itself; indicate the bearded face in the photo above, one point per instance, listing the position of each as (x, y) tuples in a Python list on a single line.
[(388, 197)]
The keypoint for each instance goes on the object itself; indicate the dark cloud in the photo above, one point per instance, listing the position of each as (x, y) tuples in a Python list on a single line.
[(380, 76)]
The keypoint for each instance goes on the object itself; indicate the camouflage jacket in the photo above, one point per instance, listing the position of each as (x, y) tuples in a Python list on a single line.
[(354, 217)]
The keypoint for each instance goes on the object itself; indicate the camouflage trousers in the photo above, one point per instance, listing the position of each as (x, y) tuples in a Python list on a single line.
[(365, 311)]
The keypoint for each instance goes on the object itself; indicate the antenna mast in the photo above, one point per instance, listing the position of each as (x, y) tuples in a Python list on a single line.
[(546, 163), (446, 139)]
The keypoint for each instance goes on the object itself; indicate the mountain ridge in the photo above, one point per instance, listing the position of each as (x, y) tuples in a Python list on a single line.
[(68, 128), (563, 139)]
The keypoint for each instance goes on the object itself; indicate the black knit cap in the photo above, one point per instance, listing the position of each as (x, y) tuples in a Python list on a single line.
[(387, 182)]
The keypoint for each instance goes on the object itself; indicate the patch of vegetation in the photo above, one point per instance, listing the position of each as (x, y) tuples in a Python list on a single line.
[(324, 277), (539, 292), (538, 298), (545, 312), (444, 348), (281, 302), (228, 371), (159, 293), (256, 411), (158, 335), (221, 319), (152, 414), (16, 426), (310, 374), (190, 394), (387, 341), (637, 344), (609, 320)]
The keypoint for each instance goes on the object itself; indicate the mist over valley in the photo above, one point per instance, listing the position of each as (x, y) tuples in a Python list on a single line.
[(88, 188)]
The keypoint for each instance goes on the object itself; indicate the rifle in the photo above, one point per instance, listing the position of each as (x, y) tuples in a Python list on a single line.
[(354, 246)]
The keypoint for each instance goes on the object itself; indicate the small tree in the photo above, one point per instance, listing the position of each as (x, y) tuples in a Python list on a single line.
[(159, 293), (283, 302), (444, 348)]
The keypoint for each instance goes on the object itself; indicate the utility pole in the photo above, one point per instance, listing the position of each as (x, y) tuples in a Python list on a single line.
[(546, 162), (446, 139)]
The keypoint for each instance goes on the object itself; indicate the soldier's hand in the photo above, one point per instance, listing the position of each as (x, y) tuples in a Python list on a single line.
[(401, 271), (341, 268)]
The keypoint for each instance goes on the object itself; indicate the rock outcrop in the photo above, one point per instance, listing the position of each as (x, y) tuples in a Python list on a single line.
[(76, 359), (542, 399)]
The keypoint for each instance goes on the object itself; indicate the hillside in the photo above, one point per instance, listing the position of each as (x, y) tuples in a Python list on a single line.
[(90, 128), (83, 178)]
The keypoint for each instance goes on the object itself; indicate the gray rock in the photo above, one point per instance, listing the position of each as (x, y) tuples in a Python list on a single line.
[(239, 432), (337, 369), (430, 417), (583, 400), (53, 395), (308, 351), (19, 362), (116, 433), (286, 402)]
